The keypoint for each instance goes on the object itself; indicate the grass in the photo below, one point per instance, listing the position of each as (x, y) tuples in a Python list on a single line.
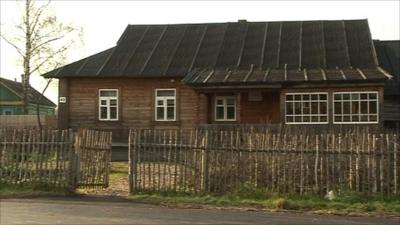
[(346, 203), (25, 190), (118, 170)]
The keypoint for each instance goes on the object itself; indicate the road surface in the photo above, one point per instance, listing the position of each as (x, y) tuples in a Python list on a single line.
[(89, 210)]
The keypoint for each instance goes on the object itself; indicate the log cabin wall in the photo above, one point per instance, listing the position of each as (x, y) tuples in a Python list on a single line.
[(136, 103)]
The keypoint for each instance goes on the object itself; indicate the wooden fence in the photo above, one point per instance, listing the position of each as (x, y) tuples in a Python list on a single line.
[(55, 157), (94, 157), (33, 156), (28, 121), (276, 160)]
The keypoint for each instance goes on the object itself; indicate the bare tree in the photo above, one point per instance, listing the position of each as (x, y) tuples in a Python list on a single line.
[(40, 40)]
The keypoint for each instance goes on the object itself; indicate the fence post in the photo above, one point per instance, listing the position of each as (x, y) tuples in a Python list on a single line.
[(73, 172), (204, 162), (132, 161)]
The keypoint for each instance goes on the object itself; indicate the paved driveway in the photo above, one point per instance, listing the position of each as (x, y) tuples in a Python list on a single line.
[(82, 210)]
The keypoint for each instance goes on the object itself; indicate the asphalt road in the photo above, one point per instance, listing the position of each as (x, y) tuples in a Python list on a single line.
[(81, 210)]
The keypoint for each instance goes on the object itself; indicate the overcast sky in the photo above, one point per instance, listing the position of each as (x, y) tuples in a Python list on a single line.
[(104, 21)]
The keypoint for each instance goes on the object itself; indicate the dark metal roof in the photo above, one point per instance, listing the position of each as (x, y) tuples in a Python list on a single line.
[(245, 50), (34, 96), (388, 53)]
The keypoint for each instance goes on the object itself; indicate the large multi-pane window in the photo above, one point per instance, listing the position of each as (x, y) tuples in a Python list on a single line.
[(165, 105), (306, 108), (355, 107), (225, 108), (108, 104)]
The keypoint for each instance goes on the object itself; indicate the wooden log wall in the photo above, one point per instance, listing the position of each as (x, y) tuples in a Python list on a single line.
[(287, 160)]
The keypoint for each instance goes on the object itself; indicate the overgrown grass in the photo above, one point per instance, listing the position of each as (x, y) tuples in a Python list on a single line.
[(24, 190), (118, 170), (344, 203)]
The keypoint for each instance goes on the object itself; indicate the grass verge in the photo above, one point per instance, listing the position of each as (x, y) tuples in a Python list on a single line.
[(25, 190), (346, 203)]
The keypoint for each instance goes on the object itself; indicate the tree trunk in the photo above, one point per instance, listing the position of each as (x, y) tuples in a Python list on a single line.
[(27, 59)]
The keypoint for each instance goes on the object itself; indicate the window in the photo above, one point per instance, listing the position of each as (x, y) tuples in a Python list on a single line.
[(311, 108), (165, 105), (355, 107), (7, 112), (108, 104), (225, 108)]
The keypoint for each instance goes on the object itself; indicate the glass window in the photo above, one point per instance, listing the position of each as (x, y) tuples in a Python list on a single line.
[(225, 108), (165, 105), (306, 108), (108, 104), (355, 107)]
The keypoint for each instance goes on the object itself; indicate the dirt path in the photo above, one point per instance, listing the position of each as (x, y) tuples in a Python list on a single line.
[(118, 186)]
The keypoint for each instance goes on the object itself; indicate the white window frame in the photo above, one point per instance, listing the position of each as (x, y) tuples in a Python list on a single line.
[(310, 101), (225, 105), (108, 98), (359, 105), (164, 99)]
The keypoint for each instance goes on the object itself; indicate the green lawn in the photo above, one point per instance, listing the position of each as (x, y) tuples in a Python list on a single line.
[(343, 204)]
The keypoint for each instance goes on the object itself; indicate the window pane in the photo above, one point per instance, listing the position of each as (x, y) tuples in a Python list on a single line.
[(160, 113), (289, 119), (230, 113), (113, 102), (297, 97), (354, 107), (164, 93), (306, 119), (323, 119), (306, 97), (230, 101), (372, 96), (338, 119), (103, 102), (364, 118), (170, 113), (322, 96), (314, 107), (364, 107), (103, 112), (220, 113), (355, 96), (306, 108), (220, 102), (297, 108), (289, 97), (346, 118), (373, 118), (113, 112), (160, 103), (338, 96), (170, 102), (372, 107), (108, 93), (346, 96), (338, 108), (355, 118), (297, 119), (363, 96), (314, 119), (346, 107), (289, 108), (314, 97), (323, 108)]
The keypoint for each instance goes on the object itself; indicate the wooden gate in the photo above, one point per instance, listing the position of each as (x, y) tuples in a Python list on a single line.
[(93, 150)]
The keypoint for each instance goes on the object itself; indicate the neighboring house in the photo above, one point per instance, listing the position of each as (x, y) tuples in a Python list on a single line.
[(301, 72), (388, 53), (11, 100)]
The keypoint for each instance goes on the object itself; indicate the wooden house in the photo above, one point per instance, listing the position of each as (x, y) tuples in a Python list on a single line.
[(11, 100), (388, 53), (182, 75)]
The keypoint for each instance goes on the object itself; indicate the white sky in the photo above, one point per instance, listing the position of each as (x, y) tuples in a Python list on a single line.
[(104, 21)]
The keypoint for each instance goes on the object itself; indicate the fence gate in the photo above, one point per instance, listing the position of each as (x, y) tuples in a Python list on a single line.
[(93, 151)]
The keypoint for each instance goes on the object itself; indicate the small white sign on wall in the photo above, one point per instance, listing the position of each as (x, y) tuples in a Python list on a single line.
[(62, 100)]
